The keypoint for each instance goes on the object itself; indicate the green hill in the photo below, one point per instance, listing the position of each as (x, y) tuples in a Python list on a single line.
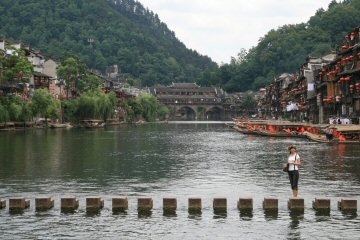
[(286, 48), (102, 33)]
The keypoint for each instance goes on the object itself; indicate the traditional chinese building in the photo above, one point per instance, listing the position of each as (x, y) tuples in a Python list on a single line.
[(325, 88), (188, 101)]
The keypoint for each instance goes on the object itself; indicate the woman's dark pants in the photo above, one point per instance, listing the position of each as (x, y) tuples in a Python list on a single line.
[(294, 179)]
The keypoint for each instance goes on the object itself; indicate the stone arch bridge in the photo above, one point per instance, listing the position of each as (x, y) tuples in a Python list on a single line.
[(190, 102), (187, 112)]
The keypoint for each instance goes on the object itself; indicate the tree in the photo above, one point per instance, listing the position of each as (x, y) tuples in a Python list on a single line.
[(92, 104), (26, 112), (15, 66), (44, 105), (89, 82), (15, 111), (73, 72), (4, 115)]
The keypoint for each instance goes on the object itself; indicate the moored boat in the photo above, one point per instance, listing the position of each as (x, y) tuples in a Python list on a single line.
[(92, 123), (263, 132), (60, 125), (242, 130), (321, 138)]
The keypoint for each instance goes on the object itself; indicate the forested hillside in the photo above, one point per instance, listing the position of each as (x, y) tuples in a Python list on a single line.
[(102, 33), (285, 49)]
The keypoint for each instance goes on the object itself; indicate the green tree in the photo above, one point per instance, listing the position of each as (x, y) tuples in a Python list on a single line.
[(44, 105), (4, 114), (15, 66), (73, 72), (26, 112), (94, 104), (15, 111)]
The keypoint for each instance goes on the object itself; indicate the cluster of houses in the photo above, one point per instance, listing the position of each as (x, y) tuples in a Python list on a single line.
[(325, 90), (45, 76)]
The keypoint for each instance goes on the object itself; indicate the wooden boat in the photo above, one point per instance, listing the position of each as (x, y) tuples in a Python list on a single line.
[(60, 125), (242, 130), (321, 138), (263, 132), (92, 123)]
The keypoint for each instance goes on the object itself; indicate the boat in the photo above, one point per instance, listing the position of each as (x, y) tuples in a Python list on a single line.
[(60, 125), (242, 130), (283, 133), (92, 123), (320, 138)]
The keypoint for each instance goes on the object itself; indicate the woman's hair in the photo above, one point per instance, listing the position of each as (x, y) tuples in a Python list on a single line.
[(291, 147)]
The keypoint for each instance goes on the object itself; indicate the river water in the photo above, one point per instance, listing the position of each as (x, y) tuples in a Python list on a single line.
[(204, 160)]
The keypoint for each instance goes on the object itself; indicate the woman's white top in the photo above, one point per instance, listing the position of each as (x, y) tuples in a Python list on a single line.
[(291, 161)]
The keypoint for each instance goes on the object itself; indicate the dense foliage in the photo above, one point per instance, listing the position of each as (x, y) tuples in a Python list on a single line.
[(14, 67), (93, 104), (145, 107), (103, 33), (73, 73), (14, 108), (285, 49)]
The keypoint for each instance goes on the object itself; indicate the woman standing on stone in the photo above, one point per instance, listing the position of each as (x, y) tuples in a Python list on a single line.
[(294, 163)]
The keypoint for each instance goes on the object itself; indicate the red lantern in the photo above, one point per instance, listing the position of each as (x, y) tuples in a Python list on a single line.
[(345, 47)]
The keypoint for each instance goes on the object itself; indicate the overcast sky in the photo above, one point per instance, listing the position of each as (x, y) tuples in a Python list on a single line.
[(220, 28)]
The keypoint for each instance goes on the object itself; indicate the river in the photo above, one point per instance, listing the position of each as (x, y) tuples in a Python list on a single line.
[(183, 160)]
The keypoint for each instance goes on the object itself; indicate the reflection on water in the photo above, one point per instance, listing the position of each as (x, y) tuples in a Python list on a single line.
[(183, 160)]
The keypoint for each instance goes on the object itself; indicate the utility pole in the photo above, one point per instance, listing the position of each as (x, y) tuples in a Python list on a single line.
[(90, 41)]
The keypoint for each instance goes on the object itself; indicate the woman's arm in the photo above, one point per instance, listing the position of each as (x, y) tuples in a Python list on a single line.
[(298, 161)]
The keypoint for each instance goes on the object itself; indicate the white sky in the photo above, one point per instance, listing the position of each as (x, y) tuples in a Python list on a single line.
[(220, 28)]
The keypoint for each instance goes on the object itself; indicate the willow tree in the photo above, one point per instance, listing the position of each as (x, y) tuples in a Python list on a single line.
[(95, 104), (44, 105)]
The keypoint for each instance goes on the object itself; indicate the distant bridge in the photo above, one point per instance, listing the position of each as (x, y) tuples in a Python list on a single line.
[(188, 101)]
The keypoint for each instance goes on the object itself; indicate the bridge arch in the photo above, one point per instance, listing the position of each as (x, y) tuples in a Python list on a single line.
[(186, 113), (214, 113)]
